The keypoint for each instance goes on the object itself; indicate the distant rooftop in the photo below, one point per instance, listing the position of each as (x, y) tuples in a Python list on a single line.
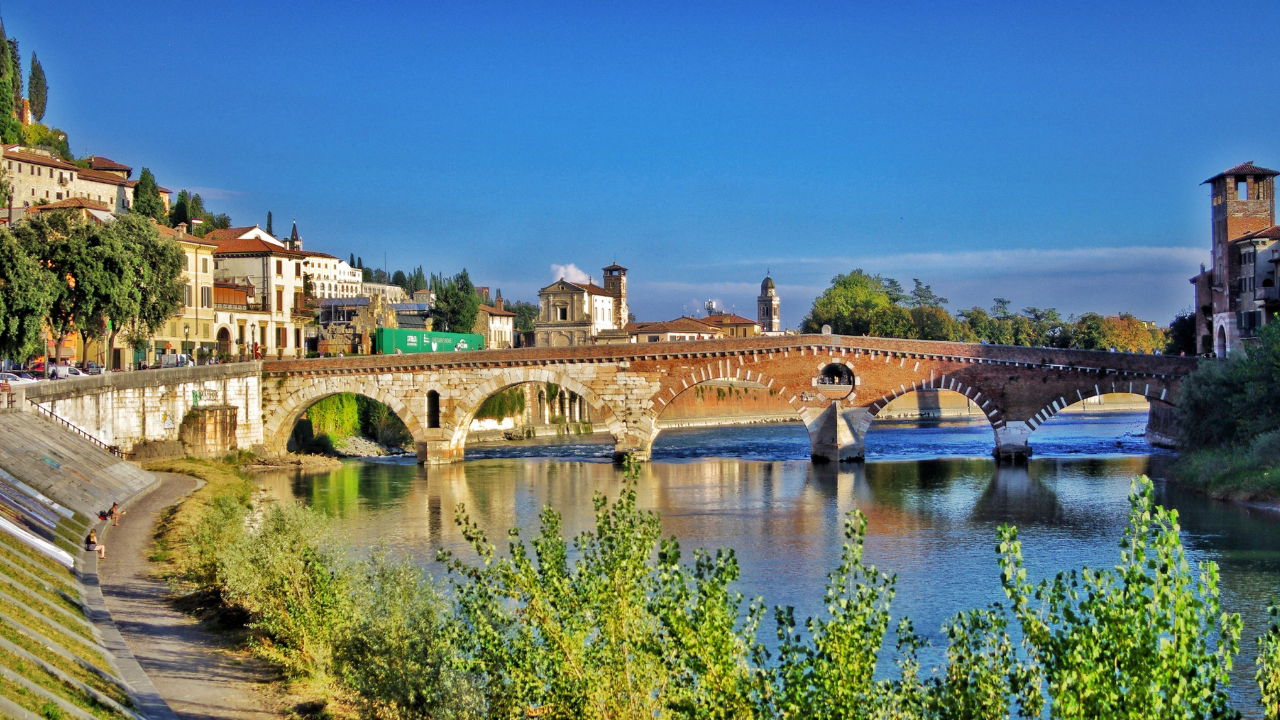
[(1244, 168)]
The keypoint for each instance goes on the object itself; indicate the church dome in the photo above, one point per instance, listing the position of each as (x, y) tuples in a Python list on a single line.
[(766, 285)]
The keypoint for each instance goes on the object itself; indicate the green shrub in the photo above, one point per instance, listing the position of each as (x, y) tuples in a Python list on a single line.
[(289, 577)]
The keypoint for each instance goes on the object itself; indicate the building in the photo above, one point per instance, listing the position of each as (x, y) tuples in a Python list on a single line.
[(1237, 294), (331, 277), (769, 308), (37, 176), (496, 323), (682, 328), (390, 293), (249, 256), (90, 210), (580, 313), (733, 326)]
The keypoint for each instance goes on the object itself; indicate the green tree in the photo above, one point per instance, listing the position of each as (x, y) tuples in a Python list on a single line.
[(457, 303), (26, 294), (892, 321), (1182, 334), (146, 197), (269, 230), (59, 241), (399, 278), (849, 305), (894, 290), (37, 89), (158, 283), (923, 296), (15, 59), (933, 323), (10, 128), (526, 313)]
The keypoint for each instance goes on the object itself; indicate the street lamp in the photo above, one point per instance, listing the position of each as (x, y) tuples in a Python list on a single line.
[(186, 335)]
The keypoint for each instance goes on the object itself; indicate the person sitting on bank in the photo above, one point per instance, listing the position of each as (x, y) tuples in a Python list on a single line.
[(114, 513), (92, 545)]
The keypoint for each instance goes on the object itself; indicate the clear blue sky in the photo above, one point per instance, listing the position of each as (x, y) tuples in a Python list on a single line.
[(1052, 156)]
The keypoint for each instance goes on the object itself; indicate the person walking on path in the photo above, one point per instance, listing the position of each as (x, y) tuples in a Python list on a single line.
[(92, 545)]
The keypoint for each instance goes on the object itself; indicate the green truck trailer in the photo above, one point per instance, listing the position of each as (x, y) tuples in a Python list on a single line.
[(397, 341)]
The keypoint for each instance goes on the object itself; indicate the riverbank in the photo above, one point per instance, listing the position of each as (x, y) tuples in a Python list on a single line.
[(1247, 475)]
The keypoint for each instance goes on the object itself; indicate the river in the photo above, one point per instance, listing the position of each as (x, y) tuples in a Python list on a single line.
[(932, 496)]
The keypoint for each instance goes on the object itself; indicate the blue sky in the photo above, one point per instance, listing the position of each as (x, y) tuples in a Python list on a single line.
[(1049, 155)]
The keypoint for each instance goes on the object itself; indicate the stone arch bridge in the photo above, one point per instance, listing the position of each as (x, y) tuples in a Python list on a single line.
[(835, 384)]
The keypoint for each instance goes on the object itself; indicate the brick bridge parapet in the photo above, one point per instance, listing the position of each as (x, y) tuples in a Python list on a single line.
[(628, 386)]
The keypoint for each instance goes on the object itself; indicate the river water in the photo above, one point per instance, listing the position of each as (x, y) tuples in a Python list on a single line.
[(932, 496)]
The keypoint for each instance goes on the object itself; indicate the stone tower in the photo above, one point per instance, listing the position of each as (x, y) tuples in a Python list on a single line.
[(768, 307), (615, 283), (1242, 201), (295, 240)]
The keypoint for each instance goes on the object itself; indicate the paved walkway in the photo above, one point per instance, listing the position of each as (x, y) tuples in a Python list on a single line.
[(191, 668)]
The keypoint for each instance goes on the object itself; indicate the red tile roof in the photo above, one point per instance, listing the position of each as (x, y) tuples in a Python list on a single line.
[(1271, 233), (228, 234), (493, 311), (166, 231), (680, 324), (1244, 168), (726, 319), (17, 152), (97, 162), (310, 253), (253, 246), (70, 203)]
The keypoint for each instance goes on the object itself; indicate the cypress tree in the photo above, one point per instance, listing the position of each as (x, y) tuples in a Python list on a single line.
[(269, 230), (10, 129), (146, 196), (16, 70), (37, 89)]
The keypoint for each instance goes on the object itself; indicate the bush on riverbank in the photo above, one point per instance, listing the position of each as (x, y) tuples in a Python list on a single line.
[(348, 414), (619, 624), (1229, 415)]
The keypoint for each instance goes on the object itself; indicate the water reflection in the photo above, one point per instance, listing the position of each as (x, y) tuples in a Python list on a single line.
[(932, 516)]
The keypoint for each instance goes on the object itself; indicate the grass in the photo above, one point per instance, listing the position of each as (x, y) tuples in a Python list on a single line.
[(221, 478), (29, 594), (55, 632), (72, 669), (50, 682), (50, 571), (1228, 474)]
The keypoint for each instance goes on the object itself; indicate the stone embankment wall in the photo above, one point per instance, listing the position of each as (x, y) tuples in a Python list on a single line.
[(62, 655), (153, 412)]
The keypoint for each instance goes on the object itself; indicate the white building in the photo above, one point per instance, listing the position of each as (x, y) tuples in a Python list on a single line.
[(331, 277), (251, 256), (37, 176)]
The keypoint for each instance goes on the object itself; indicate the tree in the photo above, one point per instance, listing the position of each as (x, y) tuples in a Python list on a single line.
[(848, 305), (352, 261), (16, 74), (894, 290), (269, 230), (57, 242), (146, 197), (923, 296), (10, 128), (26, 294), (399, 278), (526, 313), (1182, 334), (457, 303), (37, 89), (158, 283)]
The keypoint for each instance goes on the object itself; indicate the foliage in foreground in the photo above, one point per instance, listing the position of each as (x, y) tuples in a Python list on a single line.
[(617, 624)]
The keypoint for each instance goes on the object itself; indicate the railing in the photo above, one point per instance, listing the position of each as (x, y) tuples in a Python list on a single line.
[(114, 450)]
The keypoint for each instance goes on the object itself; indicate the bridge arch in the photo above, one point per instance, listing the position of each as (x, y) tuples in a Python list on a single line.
[(860, 423), (463, 408), (1153, 395), (278, 424)]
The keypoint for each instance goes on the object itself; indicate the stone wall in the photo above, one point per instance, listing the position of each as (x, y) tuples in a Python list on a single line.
[(133, 409)]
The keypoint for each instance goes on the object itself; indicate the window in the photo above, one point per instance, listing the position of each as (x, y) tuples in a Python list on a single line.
[(279, 267), (204, 265), (297, 269), (206, 297), (562, 313), (279, 299), (188, 262), (654, 338), (1242, 189), (59, 195), (186, 295)]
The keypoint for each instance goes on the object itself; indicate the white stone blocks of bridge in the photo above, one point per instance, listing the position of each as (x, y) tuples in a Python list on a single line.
[(129, 410)]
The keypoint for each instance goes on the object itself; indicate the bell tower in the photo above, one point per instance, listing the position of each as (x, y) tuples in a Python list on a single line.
[(615, 283), (1242, 201), (768, 307)]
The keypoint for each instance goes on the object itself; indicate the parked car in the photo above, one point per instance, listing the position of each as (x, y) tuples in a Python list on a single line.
[(14, 378), (94, 368), (62, 372), (28, 375)]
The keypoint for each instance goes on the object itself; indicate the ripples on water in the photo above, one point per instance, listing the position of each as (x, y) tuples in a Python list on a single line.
[(932, 496)]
